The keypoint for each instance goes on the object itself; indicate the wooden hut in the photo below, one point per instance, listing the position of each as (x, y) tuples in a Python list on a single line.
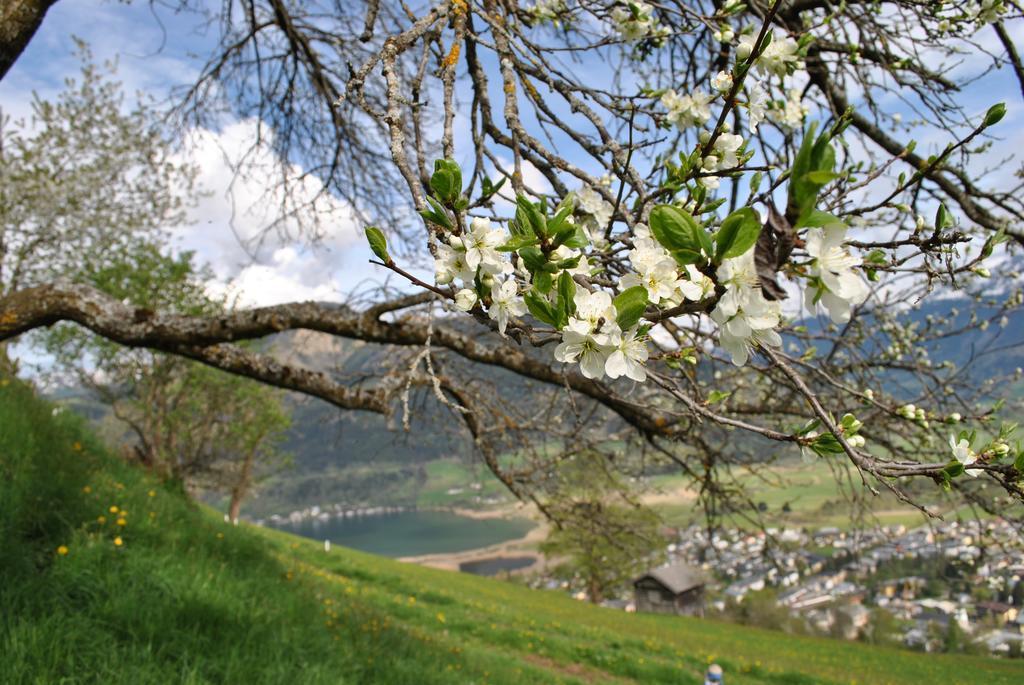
[(676, 589)]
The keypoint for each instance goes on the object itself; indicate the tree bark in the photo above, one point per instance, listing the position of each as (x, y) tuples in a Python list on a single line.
[(19, 20)]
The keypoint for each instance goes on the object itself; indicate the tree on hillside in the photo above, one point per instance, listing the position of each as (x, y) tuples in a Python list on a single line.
[(186, 422), (700, 229), (83, 182), (603, 538), (88, 193)]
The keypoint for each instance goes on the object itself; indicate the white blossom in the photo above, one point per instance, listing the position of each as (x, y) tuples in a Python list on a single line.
[(592, 308), (835, 283), (744, 317), (547, 9), (505, 303), (723, 155), (775, 59), (628, 357), (963, 453), (793, 112), (582, 268), (450, 264), (757, 105), (581, 343), (480, 243), (634, 20), (591, 202), (724, 34), (722, 82), (687, 110)]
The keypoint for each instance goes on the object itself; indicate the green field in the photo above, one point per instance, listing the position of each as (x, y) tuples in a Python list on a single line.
[(817, 495), (162, 591)]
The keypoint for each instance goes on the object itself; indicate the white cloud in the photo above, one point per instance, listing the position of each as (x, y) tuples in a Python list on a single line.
[(237, 230)]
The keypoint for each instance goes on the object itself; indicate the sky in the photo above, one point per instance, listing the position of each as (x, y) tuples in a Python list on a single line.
[(152, 47)]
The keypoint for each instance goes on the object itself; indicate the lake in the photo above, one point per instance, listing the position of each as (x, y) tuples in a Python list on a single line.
[(492, 566), (411, 533)]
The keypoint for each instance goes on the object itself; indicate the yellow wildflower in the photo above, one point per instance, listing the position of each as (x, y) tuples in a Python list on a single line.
[(101, 519), (62, 550), (122, 522), (118, 541), (113, 509)]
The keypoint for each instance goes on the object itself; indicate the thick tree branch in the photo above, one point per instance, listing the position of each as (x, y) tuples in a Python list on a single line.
[(19, 20)]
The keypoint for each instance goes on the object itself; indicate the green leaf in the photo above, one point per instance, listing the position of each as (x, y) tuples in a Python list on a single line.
[(674, 228), (812, 169), (378, 243), (437, 215), (446, 181), (570, 263), (490, 189), (518, 242), (629, 306), (684, 257), (826, 444), (995, 114), (942, 218), (578, 240), (557, 225), (542, 281), (566, 302), (533, 258), (540, 308), (1019, 463), (705, 242), (815, 218), (738, 234), (716, 396), (953, 469), (821, 177), (534, 217)]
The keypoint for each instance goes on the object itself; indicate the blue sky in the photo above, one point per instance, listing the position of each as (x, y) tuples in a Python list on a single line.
[(152, 47)]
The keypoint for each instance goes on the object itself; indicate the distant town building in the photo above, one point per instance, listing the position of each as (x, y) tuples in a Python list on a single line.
[(676, 589)]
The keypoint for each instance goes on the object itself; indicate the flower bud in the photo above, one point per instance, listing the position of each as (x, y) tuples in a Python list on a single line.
[(465, 300)]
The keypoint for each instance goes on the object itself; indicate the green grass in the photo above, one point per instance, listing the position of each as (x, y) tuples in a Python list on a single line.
[(446, 474), (188, 599)]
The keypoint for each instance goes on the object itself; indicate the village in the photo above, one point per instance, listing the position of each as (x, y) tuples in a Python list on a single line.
[(951, 585)]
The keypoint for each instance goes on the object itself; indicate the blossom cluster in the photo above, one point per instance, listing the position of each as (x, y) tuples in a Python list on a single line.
[(833, 280), (634, 20), (656, 270), (595, 341), (743, 315)]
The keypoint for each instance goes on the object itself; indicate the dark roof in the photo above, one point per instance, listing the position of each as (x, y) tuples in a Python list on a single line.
[(677, 578)]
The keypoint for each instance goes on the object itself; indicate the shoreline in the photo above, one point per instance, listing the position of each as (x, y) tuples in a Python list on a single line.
[(524, 546)]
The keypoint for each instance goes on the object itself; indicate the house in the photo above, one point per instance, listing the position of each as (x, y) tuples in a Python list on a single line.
[(1001, 612), (851, 619), (675, 589)]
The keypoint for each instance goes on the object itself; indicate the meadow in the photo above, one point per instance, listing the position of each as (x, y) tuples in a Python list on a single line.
[(107, 576)]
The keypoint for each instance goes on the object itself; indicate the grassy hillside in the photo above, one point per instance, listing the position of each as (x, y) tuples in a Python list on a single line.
[(160, 591)]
